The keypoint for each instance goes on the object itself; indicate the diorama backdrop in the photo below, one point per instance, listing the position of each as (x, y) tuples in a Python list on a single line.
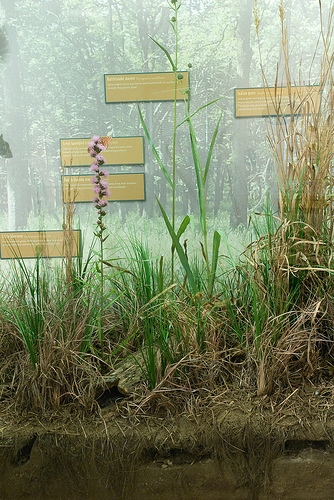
[(54, 54)]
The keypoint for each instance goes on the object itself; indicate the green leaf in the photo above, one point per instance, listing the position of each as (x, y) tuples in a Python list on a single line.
[(213, 140), (161, 275), (180, 252), (155, 152), (166, 52), (215, 254), (198, 170), (182, 228), (197, 110), (172, 25)]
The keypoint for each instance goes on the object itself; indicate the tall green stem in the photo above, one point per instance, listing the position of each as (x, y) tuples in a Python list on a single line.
[(101, 297), (174, 131)]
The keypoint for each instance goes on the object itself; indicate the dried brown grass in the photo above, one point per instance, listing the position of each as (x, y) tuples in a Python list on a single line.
[(302, 140)]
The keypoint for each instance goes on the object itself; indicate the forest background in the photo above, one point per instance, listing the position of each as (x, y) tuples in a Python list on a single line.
[(54, 56)]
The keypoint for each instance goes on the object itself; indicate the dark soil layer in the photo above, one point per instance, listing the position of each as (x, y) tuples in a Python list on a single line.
[(240, 448)]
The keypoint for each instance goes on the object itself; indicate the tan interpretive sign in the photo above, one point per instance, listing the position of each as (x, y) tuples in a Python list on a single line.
[(30, 244), (276, 101), (123, 187), (132, 87), (121, 151)]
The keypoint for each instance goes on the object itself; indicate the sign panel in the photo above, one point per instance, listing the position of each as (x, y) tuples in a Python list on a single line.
[(29, 244), (270, 101), (121, 151), (132, 87), (123, 187)]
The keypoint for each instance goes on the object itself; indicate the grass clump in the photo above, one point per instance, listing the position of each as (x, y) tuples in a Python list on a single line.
[(262, 321)]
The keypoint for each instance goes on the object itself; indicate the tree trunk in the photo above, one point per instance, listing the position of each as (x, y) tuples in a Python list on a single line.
[(18, 185)]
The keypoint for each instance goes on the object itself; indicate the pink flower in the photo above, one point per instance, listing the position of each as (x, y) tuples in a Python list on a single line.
[(100, 185), (100, 158)]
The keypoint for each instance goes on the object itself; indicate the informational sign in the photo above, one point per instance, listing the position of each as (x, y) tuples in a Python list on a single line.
[(30, 244), (121, 151), (123, 187), (272, 101), (132, 87)]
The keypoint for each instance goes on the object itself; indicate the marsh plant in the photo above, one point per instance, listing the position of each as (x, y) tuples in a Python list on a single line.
[(101, 189), (281, 292), (262, 320), (200, 171)]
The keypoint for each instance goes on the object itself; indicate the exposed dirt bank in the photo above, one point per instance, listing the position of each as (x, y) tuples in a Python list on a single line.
[(239, 448)]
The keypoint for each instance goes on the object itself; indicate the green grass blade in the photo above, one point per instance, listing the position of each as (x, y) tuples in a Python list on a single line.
[(155, 152), (215, 254), (166, 52), (198, 171), (197, 110), (161, 275), (182, 228), (180, 252), (213, 140)]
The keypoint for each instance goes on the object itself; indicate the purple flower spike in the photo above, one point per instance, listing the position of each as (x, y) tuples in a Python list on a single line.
[(100, 185), (100, 158)]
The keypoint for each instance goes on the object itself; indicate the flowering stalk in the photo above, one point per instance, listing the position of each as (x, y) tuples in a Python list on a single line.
[(101, 190)]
